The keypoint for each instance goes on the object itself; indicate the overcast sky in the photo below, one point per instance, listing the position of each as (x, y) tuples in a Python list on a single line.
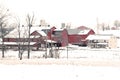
[(78, 12)]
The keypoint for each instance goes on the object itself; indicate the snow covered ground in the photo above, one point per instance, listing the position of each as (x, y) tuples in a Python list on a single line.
[(58, 72), (82, 64), (92, 53), (73, 53)]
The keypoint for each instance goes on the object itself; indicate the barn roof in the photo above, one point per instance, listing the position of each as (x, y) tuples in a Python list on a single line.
[(83, 28), (99, 37), (42, 33), (15, 43), (50, 41), (58, 29), (83, 32), (73, 31), (78, 31), (24, 32)]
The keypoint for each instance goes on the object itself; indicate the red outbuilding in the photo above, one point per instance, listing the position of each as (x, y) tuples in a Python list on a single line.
[(78, 35), (37, 36)]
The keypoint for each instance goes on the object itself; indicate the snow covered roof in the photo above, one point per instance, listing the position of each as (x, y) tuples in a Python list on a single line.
[(98, 37), (83, 32), (38, 28), (50, 41), (42, 33), (73, 31), (58, 29), (12, 34), (78, 31), (24, 32), (15, 43)]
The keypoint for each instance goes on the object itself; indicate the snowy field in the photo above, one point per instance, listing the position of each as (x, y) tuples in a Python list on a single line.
[(73, 52), (58, 72), (81, 64)]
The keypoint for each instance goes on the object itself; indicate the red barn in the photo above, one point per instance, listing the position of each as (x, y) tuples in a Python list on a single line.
[(60, 36), (49, 34), (78, 35)]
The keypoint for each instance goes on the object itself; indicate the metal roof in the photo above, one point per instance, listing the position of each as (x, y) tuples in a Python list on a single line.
[(73, 31)]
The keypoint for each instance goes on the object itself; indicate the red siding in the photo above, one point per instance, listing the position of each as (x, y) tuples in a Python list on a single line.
[(79, 39), (63, 39), (50, 33), (74, 39)]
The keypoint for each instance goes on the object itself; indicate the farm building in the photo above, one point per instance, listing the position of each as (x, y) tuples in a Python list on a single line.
[(43, 35), (38, 36), (101, 41), (60, 36), (116, 33), (78, 35), (73, 36)]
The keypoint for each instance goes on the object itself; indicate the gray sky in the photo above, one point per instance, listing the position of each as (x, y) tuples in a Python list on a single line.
[(78, 12)]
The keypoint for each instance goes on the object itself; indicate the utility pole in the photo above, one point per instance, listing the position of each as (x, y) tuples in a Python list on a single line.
[(67, 44)]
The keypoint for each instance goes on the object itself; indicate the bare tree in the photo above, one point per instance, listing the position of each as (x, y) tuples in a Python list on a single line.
[(117, 23), (30, 21), (19, 39), (22, 41), (4, 17)]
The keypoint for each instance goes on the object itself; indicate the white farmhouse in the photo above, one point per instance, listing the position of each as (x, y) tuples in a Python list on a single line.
[(102, 41)]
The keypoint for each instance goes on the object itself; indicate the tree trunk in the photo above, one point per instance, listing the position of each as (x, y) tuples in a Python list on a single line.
[(2, 36), (3, 50)]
